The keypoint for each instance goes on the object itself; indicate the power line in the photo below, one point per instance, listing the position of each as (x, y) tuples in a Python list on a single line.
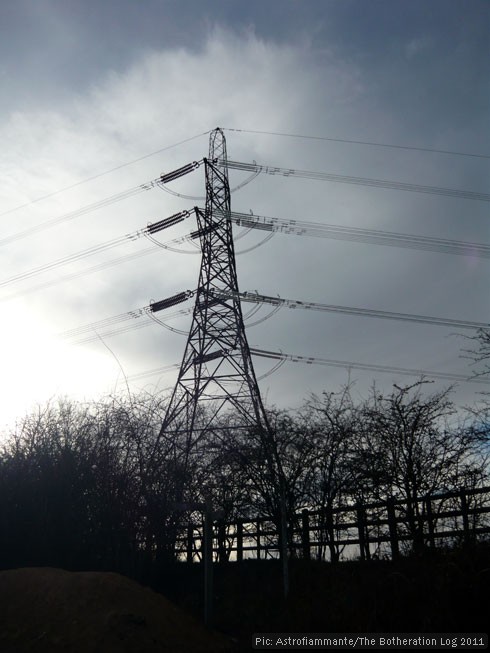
[(88, 333), (101, 174), (96, 249), (370, 143), (115, 332), (101, 324), (153, 372), (361, 181), (100, 204), (284, 226), (82, 273), (85, 332), (350, 310), (311, 360), (366, 236), (77, 213), (175, 366), (102, 266), (248, 131), (152, 228)]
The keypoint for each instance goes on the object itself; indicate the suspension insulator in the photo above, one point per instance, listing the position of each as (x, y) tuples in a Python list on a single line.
[(167, 222), (180, 172), (170, 301)]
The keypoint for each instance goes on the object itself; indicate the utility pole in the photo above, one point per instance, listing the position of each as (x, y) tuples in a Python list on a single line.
[(216, 381)]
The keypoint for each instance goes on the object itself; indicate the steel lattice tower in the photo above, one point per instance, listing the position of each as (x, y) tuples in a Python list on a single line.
[(216, 383)]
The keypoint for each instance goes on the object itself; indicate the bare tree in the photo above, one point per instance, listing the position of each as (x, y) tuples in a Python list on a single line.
[(480, 353), (332, 423), (63, 480), (409, 449), (93, 486), (275, 467)]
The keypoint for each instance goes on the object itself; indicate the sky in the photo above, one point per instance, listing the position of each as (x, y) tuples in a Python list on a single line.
[(95, 99)]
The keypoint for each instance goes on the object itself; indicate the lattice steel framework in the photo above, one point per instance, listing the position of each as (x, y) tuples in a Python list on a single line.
[(216, 383)]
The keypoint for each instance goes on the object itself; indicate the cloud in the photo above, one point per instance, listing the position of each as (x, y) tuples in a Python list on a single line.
[(238, 80)]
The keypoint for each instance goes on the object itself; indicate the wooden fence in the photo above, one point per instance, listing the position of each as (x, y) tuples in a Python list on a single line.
[(383, 529)]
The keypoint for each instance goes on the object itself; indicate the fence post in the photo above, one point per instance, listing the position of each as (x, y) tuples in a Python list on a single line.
[(208, 562), (465, 515), (239, 541), (390, 506), (305, 533), (430, 521), (258, 539), (221, 541), (190, 542), (361, 528)]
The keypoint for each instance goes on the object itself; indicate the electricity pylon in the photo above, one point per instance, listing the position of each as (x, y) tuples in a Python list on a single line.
[(216, 373)]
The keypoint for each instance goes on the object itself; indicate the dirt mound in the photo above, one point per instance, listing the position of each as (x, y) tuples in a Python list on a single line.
[(45, 610)]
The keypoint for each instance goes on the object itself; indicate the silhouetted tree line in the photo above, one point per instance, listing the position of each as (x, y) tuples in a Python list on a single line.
[(98, 487)]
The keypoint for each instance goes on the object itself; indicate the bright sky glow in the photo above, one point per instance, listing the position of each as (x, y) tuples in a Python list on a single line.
[(55, 368)]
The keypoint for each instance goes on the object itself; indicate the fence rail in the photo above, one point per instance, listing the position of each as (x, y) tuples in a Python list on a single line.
[(360, 530)]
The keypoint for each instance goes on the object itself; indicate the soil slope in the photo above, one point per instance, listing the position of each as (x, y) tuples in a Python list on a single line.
[(44, 610)]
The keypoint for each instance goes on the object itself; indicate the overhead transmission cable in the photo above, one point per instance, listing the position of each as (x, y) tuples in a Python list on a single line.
[(259, 222), (367, 236), (148, 232), (82, 273), (350, 310), (175, 174), (272, 224), (153, 307), (245, 182), (311, 360), (101, 324), (82, 333), (362, 181), (248, 131), (152, 228), (354, 142), (101, 266), (85, 340), (75, 214), (102, 174), (149, 373), (175, 366), (88, 333), (85, 332)]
